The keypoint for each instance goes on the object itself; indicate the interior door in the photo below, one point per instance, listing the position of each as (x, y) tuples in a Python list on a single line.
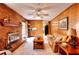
[(24, 30)]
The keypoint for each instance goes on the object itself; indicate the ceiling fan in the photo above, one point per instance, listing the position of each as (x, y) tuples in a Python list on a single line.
[(39, 11)]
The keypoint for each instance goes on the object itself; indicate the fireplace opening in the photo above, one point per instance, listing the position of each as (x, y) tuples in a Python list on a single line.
[(12, 37)]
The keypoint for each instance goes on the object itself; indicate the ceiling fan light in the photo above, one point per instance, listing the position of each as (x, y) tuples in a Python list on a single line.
[(38, 12), (38, 17)]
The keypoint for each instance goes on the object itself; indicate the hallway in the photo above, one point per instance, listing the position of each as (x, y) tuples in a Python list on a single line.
[(27, 49)]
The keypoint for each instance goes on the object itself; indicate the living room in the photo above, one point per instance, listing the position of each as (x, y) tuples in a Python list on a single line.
[(22, 34)]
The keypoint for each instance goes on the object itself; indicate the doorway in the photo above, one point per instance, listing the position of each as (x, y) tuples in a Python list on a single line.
[(46, 29), (24, 30)]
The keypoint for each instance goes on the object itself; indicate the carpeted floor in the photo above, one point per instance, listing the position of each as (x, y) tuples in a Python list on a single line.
[(27, 49)]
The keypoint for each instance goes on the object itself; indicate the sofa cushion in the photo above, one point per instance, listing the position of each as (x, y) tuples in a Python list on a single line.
[(64, 38)]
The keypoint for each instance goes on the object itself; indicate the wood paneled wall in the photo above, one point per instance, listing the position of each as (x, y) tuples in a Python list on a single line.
[(73, 17), (15, 18), (36, 24)]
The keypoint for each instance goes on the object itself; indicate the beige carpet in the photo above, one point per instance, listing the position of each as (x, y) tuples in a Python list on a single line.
[(27, 49)]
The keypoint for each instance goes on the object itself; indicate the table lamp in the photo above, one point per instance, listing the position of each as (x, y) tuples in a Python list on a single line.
[(72, 37)]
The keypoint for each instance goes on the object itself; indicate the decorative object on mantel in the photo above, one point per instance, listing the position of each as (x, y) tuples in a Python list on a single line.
[(6, 22), (63, 23), (1, 22)]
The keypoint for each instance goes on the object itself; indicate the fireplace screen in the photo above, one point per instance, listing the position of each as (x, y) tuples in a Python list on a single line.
[(13, 37)]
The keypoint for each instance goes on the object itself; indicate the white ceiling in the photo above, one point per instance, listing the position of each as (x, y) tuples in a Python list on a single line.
[(24, 9)]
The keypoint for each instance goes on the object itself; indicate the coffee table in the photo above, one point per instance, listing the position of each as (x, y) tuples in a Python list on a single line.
[(38, 43)]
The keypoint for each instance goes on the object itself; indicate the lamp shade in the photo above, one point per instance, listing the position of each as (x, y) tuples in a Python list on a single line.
[(71, 32)]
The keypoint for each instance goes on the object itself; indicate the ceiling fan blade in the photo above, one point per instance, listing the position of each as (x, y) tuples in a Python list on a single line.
[(47, 8), (46, 14), (30, 7), (30, 14)]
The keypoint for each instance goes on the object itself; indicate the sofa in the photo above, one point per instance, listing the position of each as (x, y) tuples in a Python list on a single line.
[(66, 41), (54, 39)]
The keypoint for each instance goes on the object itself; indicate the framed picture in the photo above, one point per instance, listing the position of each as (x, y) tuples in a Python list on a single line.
[(63, 23)]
